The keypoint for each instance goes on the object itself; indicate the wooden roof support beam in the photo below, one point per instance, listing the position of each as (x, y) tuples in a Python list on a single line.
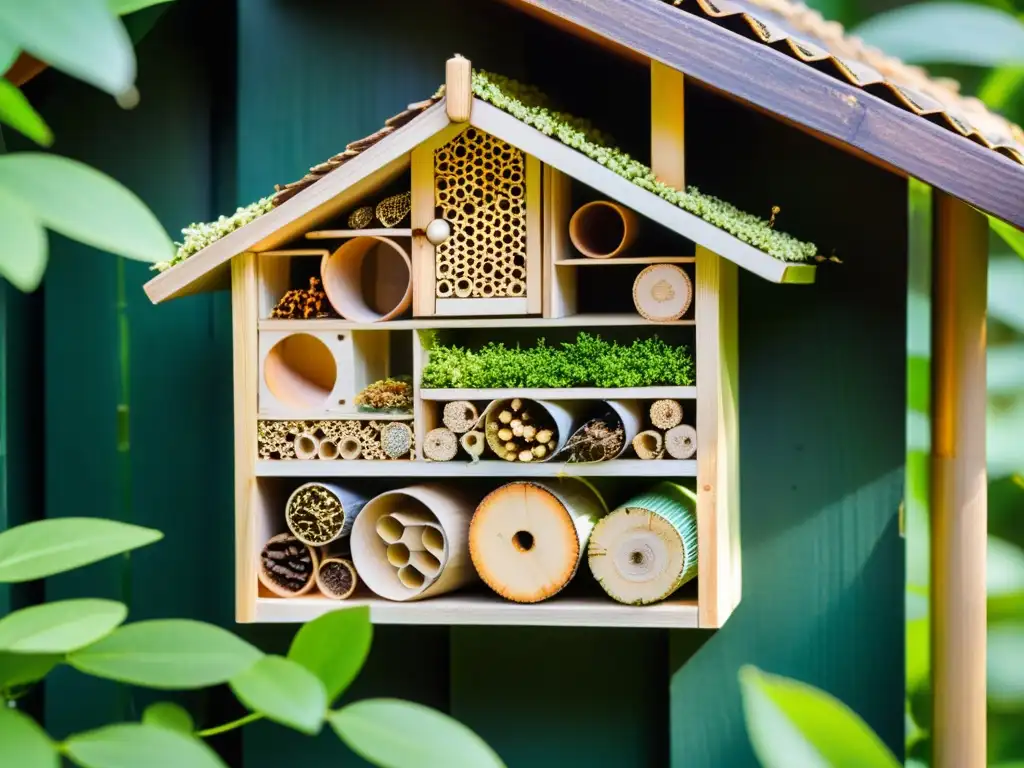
[(958, 484), (668, 125), (458, 88)]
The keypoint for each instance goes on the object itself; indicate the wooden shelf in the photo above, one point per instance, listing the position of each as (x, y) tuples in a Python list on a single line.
[(581, 321), (585, 262), (482, 610), (291, 415), (663, 468), (574, 393), (341, 234)]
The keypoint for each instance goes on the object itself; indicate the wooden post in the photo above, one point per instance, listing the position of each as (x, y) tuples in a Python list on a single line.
[(668, 129), (458, 88), (959, 491)]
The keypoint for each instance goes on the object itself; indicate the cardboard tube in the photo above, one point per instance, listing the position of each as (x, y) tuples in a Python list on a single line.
[(629, 415), (649, 444), (336, 578), (350, 448), (560, 413), (425, 563), (328, 450), (603, 229), (445, 511), (368, 279), (389, 529), (320, 513), (527, 539), (398, 554), (307, 446)]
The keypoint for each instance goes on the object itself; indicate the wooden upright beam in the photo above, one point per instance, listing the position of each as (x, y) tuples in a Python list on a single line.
[(959, 484), (668, 125)]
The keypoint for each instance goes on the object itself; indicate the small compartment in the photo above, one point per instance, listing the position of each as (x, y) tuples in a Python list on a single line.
[(368, 279)]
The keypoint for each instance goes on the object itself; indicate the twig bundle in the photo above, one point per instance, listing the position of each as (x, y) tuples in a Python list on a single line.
[(599, 439)]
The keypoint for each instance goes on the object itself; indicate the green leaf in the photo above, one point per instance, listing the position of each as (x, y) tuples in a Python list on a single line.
[(399, 734), (173, 654), (167, 714), (16, 111), (60, 627), (80, 202), (284, 691), (946, 32), (23, 246), (918, 652), (1005, 667), (794, 724), (1013, 236), (1004, 568), (83, 39), (133, 745), (334, 647), (1000, 86), (24, 743), (45, 547), (8, 53), (124, 7), (25, 668)]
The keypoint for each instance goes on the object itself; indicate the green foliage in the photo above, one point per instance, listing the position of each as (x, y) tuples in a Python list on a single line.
[(334, 647), (283, 691), (19, 114), (23, 246), (527, 104), (167, 714), (590, 361), (400, 734), (132, 745), (60, 627), (23, 743), (43, 548), (201, 235), (794, 724), (168, 653)]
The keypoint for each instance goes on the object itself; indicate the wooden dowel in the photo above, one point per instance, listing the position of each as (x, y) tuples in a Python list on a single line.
[(458, 88)]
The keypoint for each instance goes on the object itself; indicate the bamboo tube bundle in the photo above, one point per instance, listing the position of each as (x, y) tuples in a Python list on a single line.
[(666, 414), (527, 539), (662, 292), (412, 543), (528, 430), (649, 444), (460, 416), (607, 435), (307, 446), (336, 578), (320, 513), (328, 450), (603, 229), (681, 442), (287, 566), (349, 447), (643, 551)]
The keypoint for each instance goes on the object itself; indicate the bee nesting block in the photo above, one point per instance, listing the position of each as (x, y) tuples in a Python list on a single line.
[(287, 566), (649, 444), (336, 578), (473, 443), (440, 444), (666, 414), (318, 513), (460, 416), (350, 447), (307, 446), (328, 450), (681, 442), (396, 439)]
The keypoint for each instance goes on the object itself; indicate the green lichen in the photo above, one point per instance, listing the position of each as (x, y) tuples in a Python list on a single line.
[(590, 361), (199, 236), (530, 106)]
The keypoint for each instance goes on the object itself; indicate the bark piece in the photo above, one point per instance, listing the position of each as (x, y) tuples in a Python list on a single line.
[(287, 566)]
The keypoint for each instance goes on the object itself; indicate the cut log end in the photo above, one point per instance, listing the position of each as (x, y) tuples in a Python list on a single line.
[(337, 578), (287, 566)]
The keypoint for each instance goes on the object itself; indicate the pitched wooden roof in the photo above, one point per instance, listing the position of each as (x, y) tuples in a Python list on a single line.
[(785, 60)]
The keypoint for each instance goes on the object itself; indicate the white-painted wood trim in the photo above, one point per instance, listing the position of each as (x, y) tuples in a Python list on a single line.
[(574, 393), (582, 321), (394, 147), (287, 414), (579, 166), (344, 234), (626, 260), (483, 610), (464, 307), (663, 468)]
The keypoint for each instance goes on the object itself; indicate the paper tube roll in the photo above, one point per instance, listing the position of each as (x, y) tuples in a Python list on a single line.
[(368, 279), (527, 539), (447, 508), (336, 578), (603, 229), (646, 549), (319, 513)]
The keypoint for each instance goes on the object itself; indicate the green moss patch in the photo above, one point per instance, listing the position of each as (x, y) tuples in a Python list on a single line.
[(200, 236)]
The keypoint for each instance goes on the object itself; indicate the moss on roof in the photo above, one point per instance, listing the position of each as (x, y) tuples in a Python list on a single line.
[(198, 236), (529, 105)]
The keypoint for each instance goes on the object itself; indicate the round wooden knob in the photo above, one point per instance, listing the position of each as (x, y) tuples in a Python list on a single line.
[(438, 231)]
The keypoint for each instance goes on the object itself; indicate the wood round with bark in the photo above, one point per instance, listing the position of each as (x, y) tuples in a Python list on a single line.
[(287, 566), (336, 578)]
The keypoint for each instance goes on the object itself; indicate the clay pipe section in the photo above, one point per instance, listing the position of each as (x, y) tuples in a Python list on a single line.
[(368, 279), (603, 229)]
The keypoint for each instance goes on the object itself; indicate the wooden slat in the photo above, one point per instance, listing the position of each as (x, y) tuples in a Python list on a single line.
[(487, 468), (243, 321), (559, 284), (512, 305), (585, 321), (754, 73), (568, 393), (719, 575), (534, 229), (668, 127), (579, 166), (383, 161), (959, 484)]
